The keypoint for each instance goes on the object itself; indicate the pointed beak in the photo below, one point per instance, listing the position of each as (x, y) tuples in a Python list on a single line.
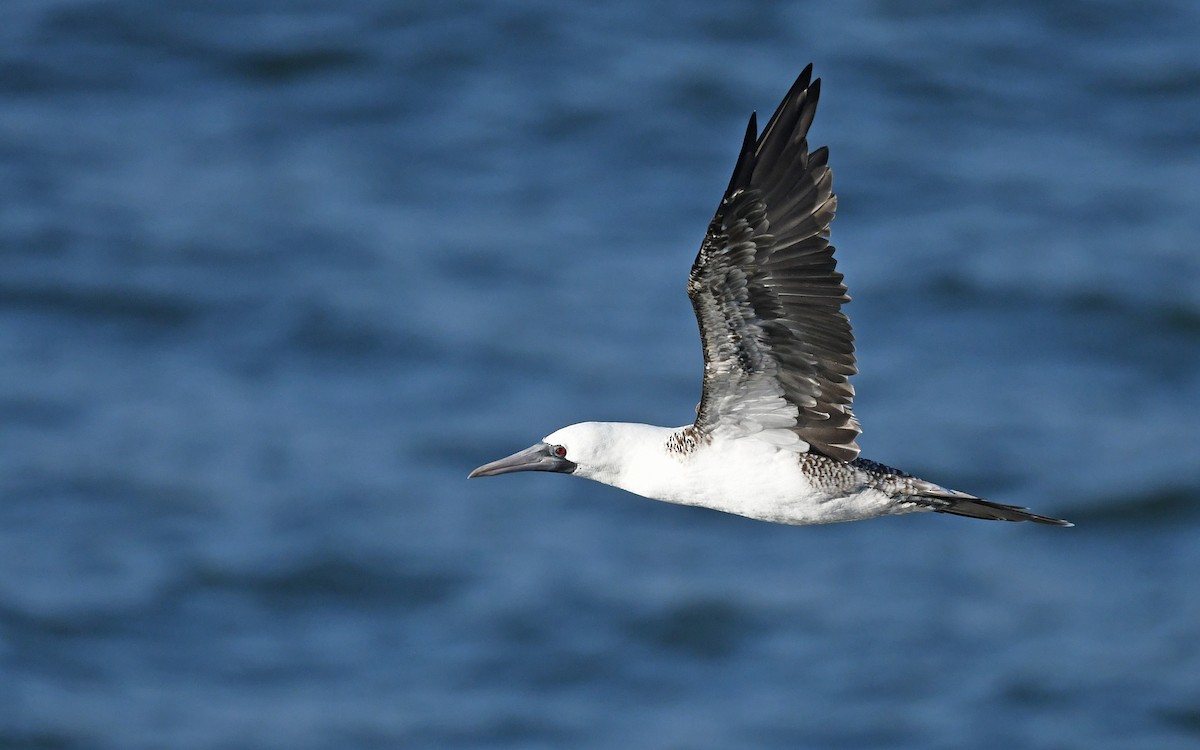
[(536, 457)]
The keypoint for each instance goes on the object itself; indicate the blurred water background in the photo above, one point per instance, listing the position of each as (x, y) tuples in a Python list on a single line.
[(276, 274)]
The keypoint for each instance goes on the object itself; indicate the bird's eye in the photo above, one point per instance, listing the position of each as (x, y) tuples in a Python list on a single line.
[(559, 451)]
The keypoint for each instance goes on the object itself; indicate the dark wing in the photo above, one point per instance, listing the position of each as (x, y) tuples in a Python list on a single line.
[(777, 346)]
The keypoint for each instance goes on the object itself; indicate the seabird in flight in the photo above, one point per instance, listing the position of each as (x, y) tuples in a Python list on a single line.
[(774, 437)]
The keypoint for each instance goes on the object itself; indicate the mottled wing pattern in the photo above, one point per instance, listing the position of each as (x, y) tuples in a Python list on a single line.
[(778, 350)]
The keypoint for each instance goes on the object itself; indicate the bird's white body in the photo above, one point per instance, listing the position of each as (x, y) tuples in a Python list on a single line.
[(748, 475), (775, 437)]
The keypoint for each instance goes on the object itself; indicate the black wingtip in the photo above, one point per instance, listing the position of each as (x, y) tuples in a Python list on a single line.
[(805, 77), (745, 163), (804, 82), (803, 94)]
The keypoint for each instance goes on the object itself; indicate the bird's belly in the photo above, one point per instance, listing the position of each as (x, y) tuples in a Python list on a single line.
[(769, 486)]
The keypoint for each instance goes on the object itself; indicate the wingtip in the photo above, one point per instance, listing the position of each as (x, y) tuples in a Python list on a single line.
[(805, 76), (806, 82), (745, 163)]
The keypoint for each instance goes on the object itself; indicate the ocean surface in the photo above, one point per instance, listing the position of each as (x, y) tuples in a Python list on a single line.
[(276, 274)]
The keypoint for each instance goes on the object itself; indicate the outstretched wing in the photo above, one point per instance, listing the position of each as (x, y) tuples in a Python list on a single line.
[(778, 350)]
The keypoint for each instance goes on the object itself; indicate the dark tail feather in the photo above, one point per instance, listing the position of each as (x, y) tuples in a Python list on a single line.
[(974, 507)]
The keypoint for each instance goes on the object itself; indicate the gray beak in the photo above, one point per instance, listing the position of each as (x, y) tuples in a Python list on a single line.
[(536, 457)]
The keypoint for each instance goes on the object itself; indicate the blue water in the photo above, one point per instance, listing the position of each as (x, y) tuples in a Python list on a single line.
[(275, 275)]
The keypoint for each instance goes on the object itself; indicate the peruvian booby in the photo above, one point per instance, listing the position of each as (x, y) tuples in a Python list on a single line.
[(775, 437)]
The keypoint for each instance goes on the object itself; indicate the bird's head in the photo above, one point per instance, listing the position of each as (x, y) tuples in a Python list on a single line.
[(576, 449)]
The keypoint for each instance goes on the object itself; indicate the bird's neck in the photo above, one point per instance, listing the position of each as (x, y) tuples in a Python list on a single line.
[(629, 455)]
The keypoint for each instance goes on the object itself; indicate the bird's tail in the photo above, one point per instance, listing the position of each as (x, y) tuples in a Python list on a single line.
[(962, 504)]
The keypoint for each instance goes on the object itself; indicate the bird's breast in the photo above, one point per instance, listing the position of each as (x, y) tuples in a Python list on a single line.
[(758, 480)]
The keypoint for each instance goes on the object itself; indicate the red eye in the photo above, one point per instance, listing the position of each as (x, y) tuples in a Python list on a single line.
[(559, 451)]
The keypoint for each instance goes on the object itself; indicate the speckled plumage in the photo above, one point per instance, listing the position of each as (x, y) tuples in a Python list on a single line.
[(686, 440)]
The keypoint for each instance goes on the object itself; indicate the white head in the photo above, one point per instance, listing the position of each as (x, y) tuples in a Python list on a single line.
[(588, 449)]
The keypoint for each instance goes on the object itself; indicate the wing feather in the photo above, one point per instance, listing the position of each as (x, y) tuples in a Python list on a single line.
[(778, 350)]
